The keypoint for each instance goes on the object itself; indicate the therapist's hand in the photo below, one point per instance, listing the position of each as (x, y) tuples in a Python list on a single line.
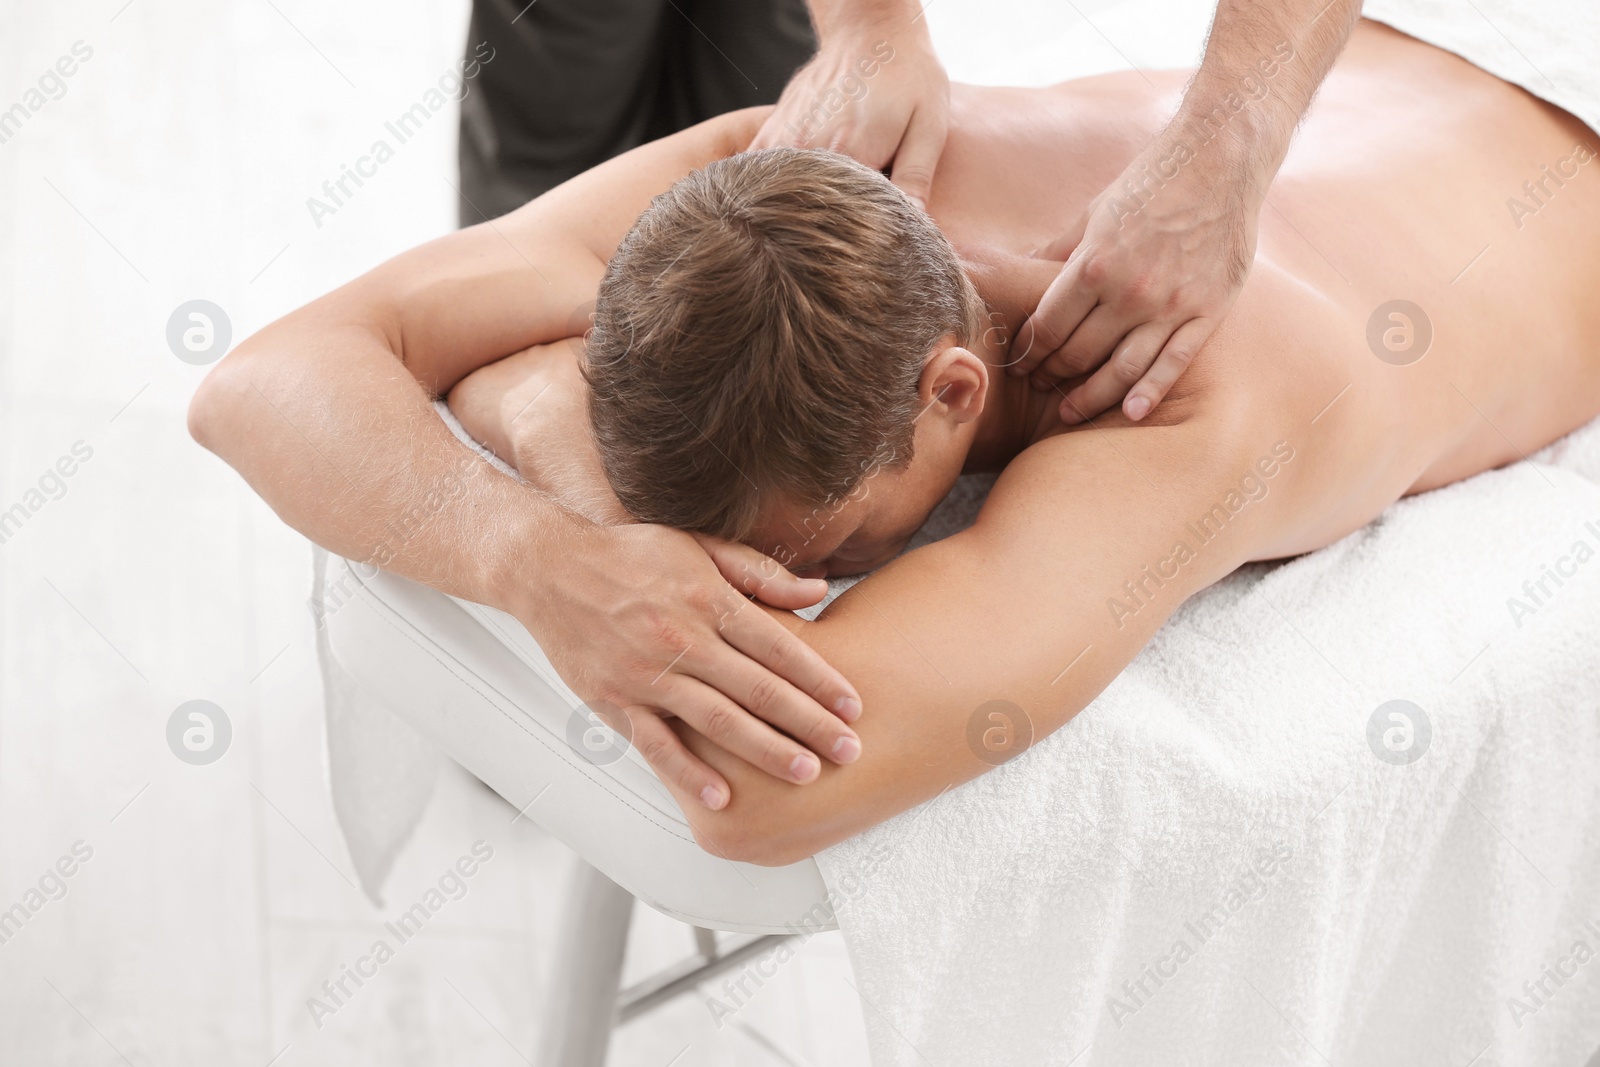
[(1146, 280), (1159, 257), (875, 91), (646, 621)]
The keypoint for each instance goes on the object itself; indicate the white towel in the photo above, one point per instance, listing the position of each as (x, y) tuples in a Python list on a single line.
[(381, 771), (1212, 864), (1549, 47)]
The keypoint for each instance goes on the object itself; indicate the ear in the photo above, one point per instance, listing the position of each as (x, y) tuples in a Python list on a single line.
[(955, 384)]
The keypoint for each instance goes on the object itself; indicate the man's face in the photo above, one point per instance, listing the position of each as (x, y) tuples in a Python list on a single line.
[(865, 529), (871, 524)]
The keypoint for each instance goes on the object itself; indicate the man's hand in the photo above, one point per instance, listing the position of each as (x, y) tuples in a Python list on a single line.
[(875, 90), (1146, 280), (646, 621), (1159, 256)]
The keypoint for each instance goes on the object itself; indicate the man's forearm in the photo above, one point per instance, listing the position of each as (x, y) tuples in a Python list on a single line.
[(333, 432), (1262, 67)]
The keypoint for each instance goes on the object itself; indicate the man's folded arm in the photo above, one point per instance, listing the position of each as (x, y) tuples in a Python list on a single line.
[(327, 414), (1014, 610)]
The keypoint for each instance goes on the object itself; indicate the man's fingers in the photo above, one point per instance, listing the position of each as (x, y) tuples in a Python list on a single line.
[(786, 708), (757, 574), (673, 762), (1111, 382), (1176, 355), (1064, 305), (726, 724), (918, 155), (763, 639)]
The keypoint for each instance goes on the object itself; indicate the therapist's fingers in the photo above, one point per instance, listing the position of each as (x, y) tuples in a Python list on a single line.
[(1061, 310), (1090, 345), (731, 728), (754, 573), (1176, 355), (672, 761), (1061, 247), (1111, 383), (918, 155)]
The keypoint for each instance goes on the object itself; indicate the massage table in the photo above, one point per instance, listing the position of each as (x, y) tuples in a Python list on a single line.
[(471, 680)]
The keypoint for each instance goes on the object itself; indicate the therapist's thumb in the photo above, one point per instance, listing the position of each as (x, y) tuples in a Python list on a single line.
[(918, 156), (757, 574), (1060, 248)]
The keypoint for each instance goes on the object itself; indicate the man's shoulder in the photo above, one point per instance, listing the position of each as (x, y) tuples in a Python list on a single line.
[(1201, 438), (731, 133)]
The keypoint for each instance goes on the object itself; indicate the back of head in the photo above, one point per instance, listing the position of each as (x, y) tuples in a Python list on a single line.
[(760, 334)]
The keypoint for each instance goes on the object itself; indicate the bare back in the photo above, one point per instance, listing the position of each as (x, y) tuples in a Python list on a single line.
[(1406, 183)]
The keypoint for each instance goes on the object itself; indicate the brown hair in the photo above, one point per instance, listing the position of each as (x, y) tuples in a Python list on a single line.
[(761, 332)]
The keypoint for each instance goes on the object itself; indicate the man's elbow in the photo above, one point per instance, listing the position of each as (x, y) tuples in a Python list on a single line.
[(218, 408), (745, 835), (207, 408)]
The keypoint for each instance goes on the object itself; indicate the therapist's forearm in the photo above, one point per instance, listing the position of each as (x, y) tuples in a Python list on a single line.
[(333, 433), (1271, 58)]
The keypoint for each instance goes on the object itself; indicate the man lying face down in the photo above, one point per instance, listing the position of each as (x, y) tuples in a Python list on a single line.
[(786, 352), (768, 343)]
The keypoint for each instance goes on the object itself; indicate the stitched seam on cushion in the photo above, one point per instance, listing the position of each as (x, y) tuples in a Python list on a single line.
[(490, 621), (389, 615)]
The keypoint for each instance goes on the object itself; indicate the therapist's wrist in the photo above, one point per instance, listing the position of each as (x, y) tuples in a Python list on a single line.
[(1231, 153), (1245, 120), (838, 22)]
